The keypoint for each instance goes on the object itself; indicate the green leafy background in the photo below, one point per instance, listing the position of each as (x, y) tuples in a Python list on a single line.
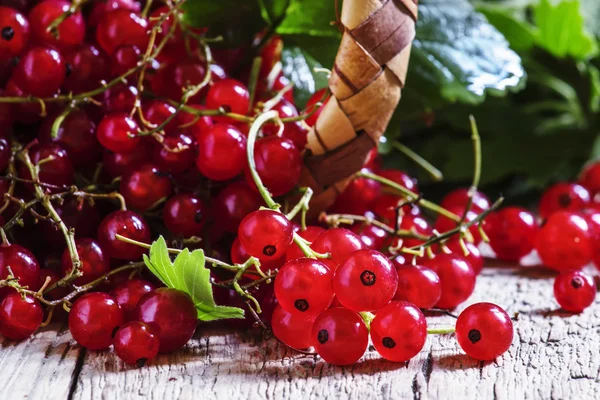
[(526, 69)]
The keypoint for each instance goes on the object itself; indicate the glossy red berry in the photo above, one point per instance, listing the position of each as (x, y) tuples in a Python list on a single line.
[(127, 224), (118, 133), (565, 241), (293, 329), (23, 265), (129, 293), (265, 234), (94, 262), (401, 178), (415, 224), (340, 336), (590, 177), (171, 313), (121, 27), (309, 234), (191, 124), (365, 281), (5, 152), (99, 9), (20, 316), (474, 257), (69, 34), (456, 276), (386, 206), (418, 284), (136, 343), (86, 67), (14, 32), (184, 214), (484, 331), (175, 154), (56, 171), (357, 197), (304, 286), (278, 164), (233, 203), (230, 95), (94, 320), (239, 255), (318, 96), (180, 75), (156, 112), (372, 236), (444, 224), (144, 187), (399, 331), (285, 110), (459, 198), (563, 196), (119, 99), (124, 58), (117, 164), (221, 152), (512, 233), (40, 72), (338, 242), (574, 291)]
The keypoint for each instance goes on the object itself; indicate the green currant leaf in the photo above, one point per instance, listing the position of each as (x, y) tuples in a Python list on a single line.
[(309, 17), (189, 274), (519, 33), (298, 67)]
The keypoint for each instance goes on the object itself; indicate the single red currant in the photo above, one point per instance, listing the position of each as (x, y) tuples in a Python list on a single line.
[(129, 293), (40, 72), (415, 224), (136, 343), (221, 152), (340, 336), (418, 285), (512, 233), (94, 262), (318, 96), (357, 197), (171, 313), (184, 214), (304, 286), (372, 236), (401, 178), (118, 133), (56, 168), (119, 99), (399, 331), (456, 276), (239, 255), (266, 234), (117, 164), (144, 187), (459, 198), (125, 58), (365, 281), (233, 203), (87, 66), (474, 257), (309, 234), (484, 331), (20, 316), (94, 320), (99, 9), (589, 178), (5, 153), (156, 112), (69, 34), (563, 196), (229, 94), (129, 225), (175, 154), (14, 32), (386, 207), (121, 27), (293, 329), (444, 224), (574, 291), (338, 242), (23, 265)]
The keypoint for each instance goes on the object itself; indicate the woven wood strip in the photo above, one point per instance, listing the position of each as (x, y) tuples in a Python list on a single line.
[(366, 84)]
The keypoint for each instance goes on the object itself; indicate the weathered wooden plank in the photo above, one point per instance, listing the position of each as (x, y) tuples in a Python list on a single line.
[(39, 368), (554, 355)]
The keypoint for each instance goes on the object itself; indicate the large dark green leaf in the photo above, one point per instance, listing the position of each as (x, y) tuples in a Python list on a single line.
[(309, 17), (298, 67)]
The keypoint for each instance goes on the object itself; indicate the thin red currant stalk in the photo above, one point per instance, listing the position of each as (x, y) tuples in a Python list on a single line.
[(441, 331), (74, 8), (435, 173), (253, 81), (336, 219), (12, 171), (302, 206), (475, 138), (264, 192)]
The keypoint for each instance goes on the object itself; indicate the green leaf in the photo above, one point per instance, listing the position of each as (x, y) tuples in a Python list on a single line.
[(590, 9), (309, 17), (298, 67), (458, 57), (189, 274), (521, 35), (562, 31)]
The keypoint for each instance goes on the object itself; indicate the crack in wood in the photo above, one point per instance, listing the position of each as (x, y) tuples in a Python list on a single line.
[(76, 373)]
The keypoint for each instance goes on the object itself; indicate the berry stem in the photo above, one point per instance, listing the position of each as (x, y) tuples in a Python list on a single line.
[(336, 219), (75, 7), (252, 83), (302, 205), (435, 173), (441, 331), (367, 318), (477, 166), (60, 119)]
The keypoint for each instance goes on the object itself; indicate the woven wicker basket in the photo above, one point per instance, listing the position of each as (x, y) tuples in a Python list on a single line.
[(366, 83)]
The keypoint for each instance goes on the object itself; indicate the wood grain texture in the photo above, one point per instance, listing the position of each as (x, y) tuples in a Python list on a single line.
[(554, 356)]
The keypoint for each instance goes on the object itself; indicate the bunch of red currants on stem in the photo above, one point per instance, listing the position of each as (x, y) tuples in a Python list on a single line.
[(119, 124)]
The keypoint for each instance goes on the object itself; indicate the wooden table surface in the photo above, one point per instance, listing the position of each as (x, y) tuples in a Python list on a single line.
[(554, 356)]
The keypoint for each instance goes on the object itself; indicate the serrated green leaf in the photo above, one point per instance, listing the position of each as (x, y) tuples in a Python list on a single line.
[(562, 31), (160, 264), (220, 312), (196, 277), (298, 67)]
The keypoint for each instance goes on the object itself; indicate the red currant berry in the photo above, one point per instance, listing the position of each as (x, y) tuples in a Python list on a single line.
[(565, 241), (25, 113), (76, 134), (94, 263), (285, 110), (309, 234), (129, 293), (14, 32), (239, 255), (175, 154), (304, 285), (444, 224), (40, 72), (125, 58), (180, 75), (415, 224), (5, 152), (117, 164), (484, 331), (456, 276), (293, 329), (589, 178), (55, 170), (144, 187), (512, 233), (136, 343), (121, 27), (459, 198), (563, 196), (94, 320), (119, 99), (20, 316), (278, 164), (233, 203), (86, 68), (357, 197), (129, 225), (118, 133), (386, 207), (99, 9), (401, 178), (229, 94), (317, 97), (191, 124), (418, 285), (399, 331), (221, 152), (340, 336), (365, 281), (156, 112), (184, 214), (71, 31), (574, 291), (474, 257), (372, 236), (171, 313), (338, 242), (265, 234)]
